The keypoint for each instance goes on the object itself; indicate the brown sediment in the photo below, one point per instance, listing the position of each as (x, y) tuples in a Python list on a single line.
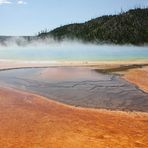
[(120, 68), (31, 121), (138, 77)]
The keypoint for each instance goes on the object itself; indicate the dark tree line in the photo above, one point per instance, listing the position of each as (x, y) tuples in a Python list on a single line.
[(125, 28)]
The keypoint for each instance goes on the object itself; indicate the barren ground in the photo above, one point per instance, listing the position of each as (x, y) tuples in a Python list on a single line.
[(30, 121), (138, 77)]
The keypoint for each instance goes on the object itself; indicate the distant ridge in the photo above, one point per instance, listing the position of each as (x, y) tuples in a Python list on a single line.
[(129, 27)]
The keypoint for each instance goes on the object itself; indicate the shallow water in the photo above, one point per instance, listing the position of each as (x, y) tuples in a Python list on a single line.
[(74, 52), (78, 86)]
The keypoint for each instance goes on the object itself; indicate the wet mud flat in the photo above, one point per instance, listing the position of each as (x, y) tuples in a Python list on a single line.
[(78, 86)]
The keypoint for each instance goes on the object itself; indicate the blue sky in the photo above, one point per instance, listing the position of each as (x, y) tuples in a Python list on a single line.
[(27, 17)]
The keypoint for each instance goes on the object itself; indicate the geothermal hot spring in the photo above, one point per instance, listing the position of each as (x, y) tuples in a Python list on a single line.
[(74, 52), (78, 86)]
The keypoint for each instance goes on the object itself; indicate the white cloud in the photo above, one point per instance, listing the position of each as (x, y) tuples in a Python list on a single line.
[(5, 2), (21, 2)]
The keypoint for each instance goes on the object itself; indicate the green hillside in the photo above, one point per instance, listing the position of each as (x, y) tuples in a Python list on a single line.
[(125, 28)]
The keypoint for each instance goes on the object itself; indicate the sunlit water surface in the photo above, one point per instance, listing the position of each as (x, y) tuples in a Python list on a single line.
[(74, 52)]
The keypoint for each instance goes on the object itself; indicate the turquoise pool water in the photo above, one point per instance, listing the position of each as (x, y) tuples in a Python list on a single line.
[(74, 52)]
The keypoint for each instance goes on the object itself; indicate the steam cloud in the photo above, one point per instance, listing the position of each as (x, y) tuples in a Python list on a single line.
[(19, 41)]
